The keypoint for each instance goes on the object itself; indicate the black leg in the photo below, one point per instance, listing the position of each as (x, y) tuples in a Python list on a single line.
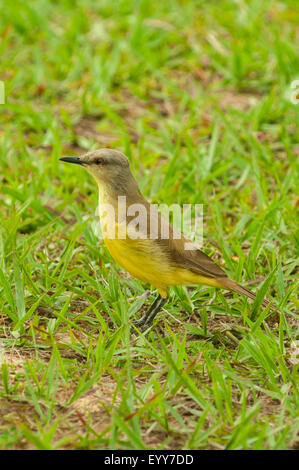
[(150, 314), (143, 320), (151, 317)]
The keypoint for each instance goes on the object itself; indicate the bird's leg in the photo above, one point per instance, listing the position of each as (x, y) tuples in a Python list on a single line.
[(143, 320), (150, 314)]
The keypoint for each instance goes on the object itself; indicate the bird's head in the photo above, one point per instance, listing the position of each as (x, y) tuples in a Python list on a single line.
[(107, 166)]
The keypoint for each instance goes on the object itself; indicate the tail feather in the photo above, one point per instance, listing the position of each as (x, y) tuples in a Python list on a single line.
[(234, 286)]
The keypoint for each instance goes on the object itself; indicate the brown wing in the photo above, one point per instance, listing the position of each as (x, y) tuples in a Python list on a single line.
[(172, 244), (193, 259)]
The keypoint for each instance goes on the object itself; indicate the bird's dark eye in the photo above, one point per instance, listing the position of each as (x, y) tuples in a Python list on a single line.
[(98, 161)]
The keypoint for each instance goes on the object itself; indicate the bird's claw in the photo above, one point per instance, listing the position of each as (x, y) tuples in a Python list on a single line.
[(145, 327)]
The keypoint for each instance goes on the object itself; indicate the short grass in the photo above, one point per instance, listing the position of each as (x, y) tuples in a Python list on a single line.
[(197, 94)]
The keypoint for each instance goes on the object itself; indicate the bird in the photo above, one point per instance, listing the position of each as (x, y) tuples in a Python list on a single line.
[(159, 260)]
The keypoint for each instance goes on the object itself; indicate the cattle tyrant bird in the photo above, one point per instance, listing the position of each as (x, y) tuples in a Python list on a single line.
[(153, 251)]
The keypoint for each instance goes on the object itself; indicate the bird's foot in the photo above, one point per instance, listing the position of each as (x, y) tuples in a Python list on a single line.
[(144, 327), (145, 323)]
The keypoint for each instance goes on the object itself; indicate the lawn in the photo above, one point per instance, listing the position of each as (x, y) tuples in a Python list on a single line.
[(198, 95)]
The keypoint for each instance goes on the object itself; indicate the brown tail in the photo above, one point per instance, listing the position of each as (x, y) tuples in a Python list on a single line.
[(234, 286)]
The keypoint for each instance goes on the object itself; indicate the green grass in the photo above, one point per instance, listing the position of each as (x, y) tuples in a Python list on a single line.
[(196, 94)]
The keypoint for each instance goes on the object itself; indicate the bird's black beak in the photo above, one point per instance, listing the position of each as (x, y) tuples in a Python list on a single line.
[(75, 160)]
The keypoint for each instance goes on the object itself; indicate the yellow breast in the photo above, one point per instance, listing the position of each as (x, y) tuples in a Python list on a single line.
[(144, 258), (141, 258)]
